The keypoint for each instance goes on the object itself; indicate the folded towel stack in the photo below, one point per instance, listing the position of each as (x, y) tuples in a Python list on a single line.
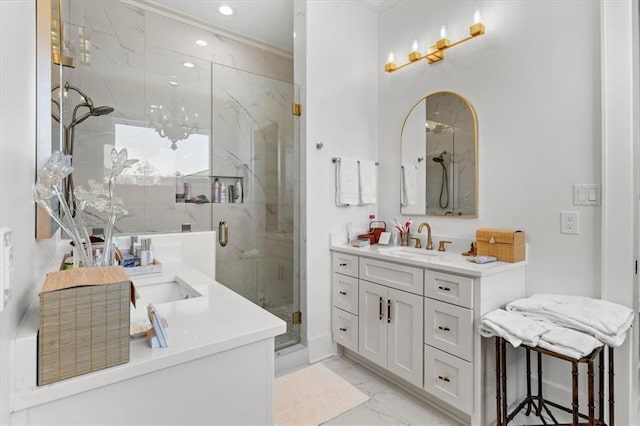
[(606, 321), (518, 329), (514, 328)]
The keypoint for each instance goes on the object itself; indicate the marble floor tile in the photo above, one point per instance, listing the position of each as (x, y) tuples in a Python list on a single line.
[(388, 404)]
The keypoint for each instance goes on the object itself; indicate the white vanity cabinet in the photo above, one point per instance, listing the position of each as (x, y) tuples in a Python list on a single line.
[(448, 338), (390, 329), (344, 287), (416, 320)]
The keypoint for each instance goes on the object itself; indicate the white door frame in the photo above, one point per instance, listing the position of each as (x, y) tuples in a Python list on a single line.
[(619, 186)]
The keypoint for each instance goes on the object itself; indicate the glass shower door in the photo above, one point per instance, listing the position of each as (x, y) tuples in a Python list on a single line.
[(254, 166)]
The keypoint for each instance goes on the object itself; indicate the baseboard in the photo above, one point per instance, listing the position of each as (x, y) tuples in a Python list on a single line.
[(321, 347)]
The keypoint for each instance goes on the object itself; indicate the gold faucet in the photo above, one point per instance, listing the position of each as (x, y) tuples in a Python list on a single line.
[(429, 241), (441, 245)]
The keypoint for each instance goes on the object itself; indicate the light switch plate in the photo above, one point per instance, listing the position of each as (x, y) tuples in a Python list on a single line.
[(586, 194)]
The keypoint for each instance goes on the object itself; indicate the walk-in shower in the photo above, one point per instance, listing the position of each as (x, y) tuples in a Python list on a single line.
[(245, 140)]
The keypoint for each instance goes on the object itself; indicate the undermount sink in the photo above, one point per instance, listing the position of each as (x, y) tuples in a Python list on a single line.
[(164, 292), (412, 252)]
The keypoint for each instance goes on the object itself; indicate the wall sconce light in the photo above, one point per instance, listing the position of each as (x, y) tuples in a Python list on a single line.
[(435, 53)]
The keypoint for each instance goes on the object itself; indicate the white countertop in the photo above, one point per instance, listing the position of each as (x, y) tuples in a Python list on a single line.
[(431, 259), (217, 321)]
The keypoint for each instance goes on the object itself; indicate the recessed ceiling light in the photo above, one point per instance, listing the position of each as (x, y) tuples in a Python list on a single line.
[(201, 43), (174, 83), (188, 64), (226, 10)]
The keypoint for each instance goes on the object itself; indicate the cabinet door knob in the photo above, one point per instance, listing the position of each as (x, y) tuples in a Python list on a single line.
[(343, 329), (380, 312), (444, 288), (344, 293), (444, 378), (444, 328)]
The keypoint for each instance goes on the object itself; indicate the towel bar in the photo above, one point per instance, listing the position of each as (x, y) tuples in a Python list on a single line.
[(338, 159)]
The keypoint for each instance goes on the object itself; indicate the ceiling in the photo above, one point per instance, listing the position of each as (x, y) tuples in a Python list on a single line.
[(267, 21)]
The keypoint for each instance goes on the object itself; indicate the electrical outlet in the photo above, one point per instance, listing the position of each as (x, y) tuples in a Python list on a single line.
[(569, 222)]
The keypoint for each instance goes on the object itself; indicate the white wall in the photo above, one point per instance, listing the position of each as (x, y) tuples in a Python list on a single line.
[(533, 80), (17, 170), (341, 112)]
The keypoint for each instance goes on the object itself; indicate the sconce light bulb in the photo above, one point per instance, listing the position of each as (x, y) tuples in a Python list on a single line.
[(443, 32), (390, 59), (477, 17), (414, 46)]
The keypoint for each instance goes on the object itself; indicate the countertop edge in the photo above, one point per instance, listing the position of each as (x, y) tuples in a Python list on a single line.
[(468, 269)]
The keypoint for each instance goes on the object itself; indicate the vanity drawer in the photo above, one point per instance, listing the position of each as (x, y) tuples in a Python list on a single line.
[(345, 264), (448, 378), (345, 329), (393, 275), (449, 288), (449, 328), (345, 293)]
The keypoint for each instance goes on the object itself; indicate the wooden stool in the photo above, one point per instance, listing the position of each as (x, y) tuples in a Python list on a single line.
[(538, 403)]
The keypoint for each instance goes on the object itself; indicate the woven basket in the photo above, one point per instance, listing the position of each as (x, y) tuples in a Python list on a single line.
[(505, 244), (84, 322)]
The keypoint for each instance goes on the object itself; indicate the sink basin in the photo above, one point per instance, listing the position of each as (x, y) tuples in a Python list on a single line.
[(164, 292), (411, 252)]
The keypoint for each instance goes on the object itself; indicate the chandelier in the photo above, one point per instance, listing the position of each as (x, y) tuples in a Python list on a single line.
[(172, 121)]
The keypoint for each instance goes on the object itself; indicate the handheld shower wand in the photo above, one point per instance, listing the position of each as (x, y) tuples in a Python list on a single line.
[(443, 201), (69, 129)]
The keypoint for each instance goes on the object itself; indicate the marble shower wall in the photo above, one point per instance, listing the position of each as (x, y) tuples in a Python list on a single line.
[(125, 58)]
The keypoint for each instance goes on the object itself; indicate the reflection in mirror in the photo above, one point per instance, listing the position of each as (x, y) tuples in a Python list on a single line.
[(439, 157)]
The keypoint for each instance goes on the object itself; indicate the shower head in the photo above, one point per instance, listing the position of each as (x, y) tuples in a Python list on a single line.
[(93, 112), (101, 110), (440, 158)]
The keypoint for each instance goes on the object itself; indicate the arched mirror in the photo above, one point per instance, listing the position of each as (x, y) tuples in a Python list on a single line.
[(439, 145)]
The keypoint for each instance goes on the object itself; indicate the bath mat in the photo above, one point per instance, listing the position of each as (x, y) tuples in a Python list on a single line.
[(312, 396)]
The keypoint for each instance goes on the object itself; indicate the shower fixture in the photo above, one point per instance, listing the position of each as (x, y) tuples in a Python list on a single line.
[(69, 129), (443, 201)]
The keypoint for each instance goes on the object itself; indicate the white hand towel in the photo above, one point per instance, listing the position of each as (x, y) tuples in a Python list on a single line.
[(515, 328), (569, 342), (409, 185), (606, 321), (347, 192), (368, 182)]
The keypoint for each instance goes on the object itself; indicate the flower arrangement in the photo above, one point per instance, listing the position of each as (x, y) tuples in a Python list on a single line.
[(73, 221)]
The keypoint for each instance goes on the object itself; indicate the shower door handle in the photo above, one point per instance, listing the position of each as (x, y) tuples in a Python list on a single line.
[(223, 233)]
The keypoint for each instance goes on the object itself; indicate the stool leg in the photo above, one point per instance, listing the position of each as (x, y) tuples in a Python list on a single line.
[(540, 397), (529, 400), (591, 396), (498, 384), (611, 389), (574, 381), (503, 363), (601, 387)]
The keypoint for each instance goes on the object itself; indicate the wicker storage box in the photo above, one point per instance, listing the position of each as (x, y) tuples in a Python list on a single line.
[(505, 244), (84, 322)]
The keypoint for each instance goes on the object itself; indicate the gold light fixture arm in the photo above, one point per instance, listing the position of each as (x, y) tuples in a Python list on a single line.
[(435, 53)]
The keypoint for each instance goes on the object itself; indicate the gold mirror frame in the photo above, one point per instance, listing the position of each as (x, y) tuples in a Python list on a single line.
[(430, 161)]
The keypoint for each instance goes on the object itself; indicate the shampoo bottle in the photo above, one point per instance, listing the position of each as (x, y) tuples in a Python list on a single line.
[(223, 193), (237, 194)]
